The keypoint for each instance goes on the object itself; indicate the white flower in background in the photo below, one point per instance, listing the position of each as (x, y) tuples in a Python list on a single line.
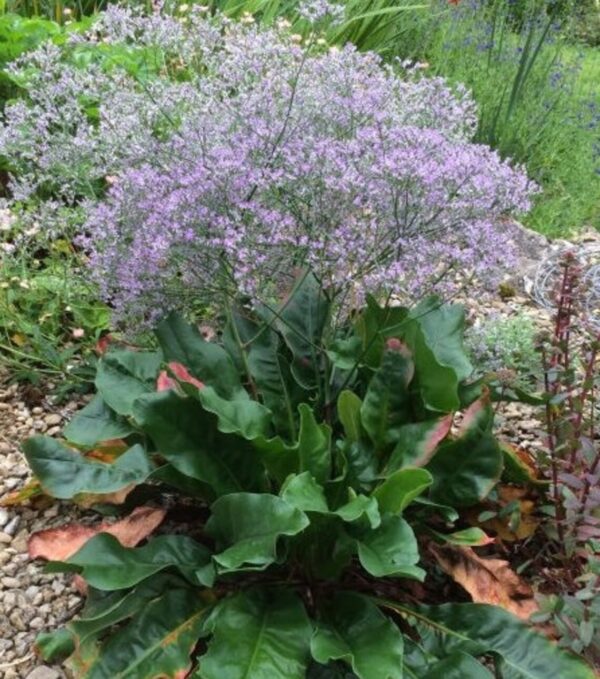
[(7, 219)]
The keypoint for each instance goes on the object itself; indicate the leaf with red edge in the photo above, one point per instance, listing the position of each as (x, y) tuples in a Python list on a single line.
[(476, 413), (182, 374), (58, 544), (164, 382), (102, 344), (417, 443)]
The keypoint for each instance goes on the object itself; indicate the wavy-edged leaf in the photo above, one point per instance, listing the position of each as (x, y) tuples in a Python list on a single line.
[(54, 646), (105, 564), (304, 493), (314, 445), (457, 666), (386, 403), (348, 407), (465, 470), (401, 488), (250, 419), (268, 368), (257, 635), (519, 466), (123, 376), (247, 526), (96, 422), (417, 442), (64, 473), (207, 361), (391, 549), (353, 629), (478, 629), (104, 610), (157, 642), (434, 332), (187, 436), (301, 321)]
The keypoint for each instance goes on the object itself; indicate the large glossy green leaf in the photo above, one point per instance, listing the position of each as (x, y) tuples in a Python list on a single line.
[(157, 642), (434, 332), (387, 402), (304, 493), (311, 452), (478, 629), (345, 353), (54, 646), (187, 485), (187, 436), (351, 628), (465, 470), (96, 422), (247, 526), (348, 407), (401, 488), (333, 670), (207, 361), (373, 325), (314, 445), (64, 473), (257, 635), (456, 666), (107, 565), (390, 550), (124, 375), (417, 442), (359, 463), (268, 369), (248, 418), (443, 327), (302, 320), (104, 609)]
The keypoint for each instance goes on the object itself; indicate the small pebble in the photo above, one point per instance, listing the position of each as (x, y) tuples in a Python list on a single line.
[(53, 419)]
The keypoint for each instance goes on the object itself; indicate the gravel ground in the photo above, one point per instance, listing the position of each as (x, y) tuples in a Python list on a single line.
[(31, 601)]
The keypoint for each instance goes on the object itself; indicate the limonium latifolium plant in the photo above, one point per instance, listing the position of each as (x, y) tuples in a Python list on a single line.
[(236, 155), (317, 469)]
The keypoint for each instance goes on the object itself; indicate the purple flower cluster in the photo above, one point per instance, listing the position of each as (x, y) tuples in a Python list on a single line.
[(269, 157)]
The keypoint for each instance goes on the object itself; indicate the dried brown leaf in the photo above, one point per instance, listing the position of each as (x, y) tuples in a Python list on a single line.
[(488, 581), (58, 544)]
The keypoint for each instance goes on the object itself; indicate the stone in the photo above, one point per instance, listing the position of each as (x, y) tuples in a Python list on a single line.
[(43, 672), (12, 525), (53, 419), (16, 620)]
